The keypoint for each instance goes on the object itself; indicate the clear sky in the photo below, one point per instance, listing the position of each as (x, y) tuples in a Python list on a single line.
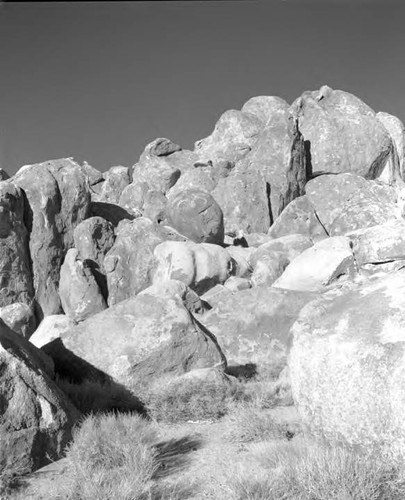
[(98, 81)]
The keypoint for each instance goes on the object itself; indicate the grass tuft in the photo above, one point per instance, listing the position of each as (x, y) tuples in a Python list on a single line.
[(302, 471)]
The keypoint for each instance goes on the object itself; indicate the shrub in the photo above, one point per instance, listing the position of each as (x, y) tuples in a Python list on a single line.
[(312, 472), (112, 456), (182, 400), (92, 397)]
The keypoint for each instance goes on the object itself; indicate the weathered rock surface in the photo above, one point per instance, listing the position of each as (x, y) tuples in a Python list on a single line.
[(51, 329), (232, 139), (200, 266), (298, 217), (16, 282), (58, 197), (268, 268), (379, 244), (197, 215), (36, 418), (130, 264), (79, 292), (252, 326), (266, 108), (157, 167), (20, 318), (351, 203), (290, 246), (342, 133), (319, 266), (347, 367), (148, 336)]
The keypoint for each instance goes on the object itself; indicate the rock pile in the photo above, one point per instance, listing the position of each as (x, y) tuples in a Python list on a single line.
[(277, 243)]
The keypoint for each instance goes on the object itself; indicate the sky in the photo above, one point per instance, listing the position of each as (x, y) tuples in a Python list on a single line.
[(98, 81)]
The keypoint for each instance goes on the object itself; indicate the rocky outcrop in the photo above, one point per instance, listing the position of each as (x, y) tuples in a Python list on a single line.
[(396, 130), (341, 133), (79, 292), (58, 200), (16, 282), (36, 418), (347, 367)]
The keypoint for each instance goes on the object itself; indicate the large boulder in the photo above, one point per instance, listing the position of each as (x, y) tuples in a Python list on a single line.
[(93, 238), (20, 318), (36, 418), (351, 202), (347, 367), (137, 341), (130, 264), (266, 108), (16, 284), (252, 326), (290, 246), (79, 292), (200, 266), (58, 200), (319, 266), (197, 215), (342, 133)]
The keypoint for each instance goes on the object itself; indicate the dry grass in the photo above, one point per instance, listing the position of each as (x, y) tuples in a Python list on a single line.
[(302, 471), (196, 400)]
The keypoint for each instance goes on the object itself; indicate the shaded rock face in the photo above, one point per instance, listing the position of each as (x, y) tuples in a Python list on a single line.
[(20, 318), (199, 266), (16, 282), (197, 215), (148, 336), (252, 326), (342, 133), (36, 419), (319, 266), (58, 199), (130, 264), (79, 292), (351, 203), (347, 367)]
